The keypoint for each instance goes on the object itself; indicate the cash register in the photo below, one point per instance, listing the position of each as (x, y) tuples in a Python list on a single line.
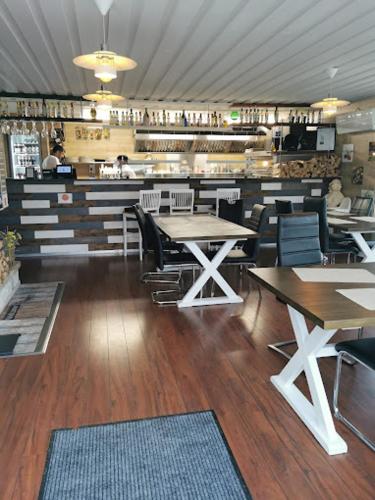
[(61, 171)]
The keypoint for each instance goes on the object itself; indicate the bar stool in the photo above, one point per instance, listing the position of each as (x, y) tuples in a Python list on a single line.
[(181, 201), (150, 201), (229, 194)]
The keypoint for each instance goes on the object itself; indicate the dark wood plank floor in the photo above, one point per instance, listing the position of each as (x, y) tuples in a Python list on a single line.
[(114, 356)]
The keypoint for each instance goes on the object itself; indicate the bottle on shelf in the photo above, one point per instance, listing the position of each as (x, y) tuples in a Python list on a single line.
[(194, 124), (200, 120), (146, 118), (168, 119), (92, 112), (64, 110), (44, 108), (291, 116), (131, 117), (297, 118), (164, 118), (220, 121), (59, 110), (276, 115), (72, 110), (123, 121), (241, 116)]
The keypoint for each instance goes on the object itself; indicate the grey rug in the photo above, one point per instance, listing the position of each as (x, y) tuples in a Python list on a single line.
[(30, 314), (166, 458)]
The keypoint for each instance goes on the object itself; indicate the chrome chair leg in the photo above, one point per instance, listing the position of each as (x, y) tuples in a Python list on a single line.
[(156, 277), (336, 410), (157, 297), (276, 347)]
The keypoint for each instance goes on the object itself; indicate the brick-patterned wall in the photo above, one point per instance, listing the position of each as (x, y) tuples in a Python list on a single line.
[(3, 175), (93, 220)]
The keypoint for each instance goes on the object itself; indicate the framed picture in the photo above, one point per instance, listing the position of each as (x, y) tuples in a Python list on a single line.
[(371, 151), (357, 175), (347, 153)]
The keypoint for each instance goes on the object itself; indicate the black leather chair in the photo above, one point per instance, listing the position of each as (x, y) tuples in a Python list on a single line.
[(363, 352), (298, 241), (329, 245), (298, 244), (362, 206), (146, 246), (284, 207), (166, 263), (233, 211)]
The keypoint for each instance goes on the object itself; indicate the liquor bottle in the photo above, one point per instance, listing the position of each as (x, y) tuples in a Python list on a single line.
[(276, 115), (44, 108), (153, 119), (298, 118), (184, 121), (59, 110), (200, 120), (168, 119), (241, 116), (189, 120), (131, 118), (123, 122), (194, 124), (304, 118), (164, 118), (291, 116), (146, 118), (220, 121), (65, 110), (208, 120), (92, 112)]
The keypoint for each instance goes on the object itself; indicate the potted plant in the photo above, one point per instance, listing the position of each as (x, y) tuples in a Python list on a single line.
[(10, 240)]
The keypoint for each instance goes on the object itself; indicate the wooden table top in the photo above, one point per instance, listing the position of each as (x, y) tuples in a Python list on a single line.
[(318, 301), (201, 228), (346, 224)]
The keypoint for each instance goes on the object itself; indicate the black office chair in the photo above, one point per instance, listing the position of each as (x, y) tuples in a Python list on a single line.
[(165, 262), (329, 245), (248, 254), (363, 352), (298, 244), (233, 211), (284, 207)]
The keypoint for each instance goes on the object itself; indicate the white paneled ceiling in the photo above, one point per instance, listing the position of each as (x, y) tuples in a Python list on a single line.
[(199, 50)]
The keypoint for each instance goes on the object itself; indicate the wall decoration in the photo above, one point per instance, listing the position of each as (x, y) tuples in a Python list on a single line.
[(371, 151), (357, 175), (64, 198), (90, 133), (347, 153)]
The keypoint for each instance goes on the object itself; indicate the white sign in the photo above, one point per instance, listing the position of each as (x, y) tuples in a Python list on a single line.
[(64, 198)]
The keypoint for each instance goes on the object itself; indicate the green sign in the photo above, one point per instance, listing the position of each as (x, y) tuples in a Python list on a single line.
[(234, 115)]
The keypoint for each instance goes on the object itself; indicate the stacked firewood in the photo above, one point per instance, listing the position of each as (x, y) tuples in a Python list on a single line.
[(318, 166)]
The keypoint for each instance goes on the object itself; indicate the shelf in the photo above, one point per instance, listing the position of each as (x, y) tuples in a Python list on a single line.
[(48, 119), (27, 154)]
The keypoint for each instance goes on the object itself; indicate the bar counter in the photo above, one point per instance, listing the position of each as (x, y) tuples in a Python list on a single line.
[(84, 216)]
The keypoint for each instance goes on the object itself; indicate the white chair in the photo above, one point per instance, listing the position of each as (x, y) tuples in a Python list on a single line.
[(229, 194), (181, 201), (346, 205), (150, 201)]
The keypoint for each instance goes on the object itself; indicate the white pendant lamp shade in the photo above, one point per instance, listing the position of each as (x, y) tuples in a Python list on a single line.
[(330, 104), (103, 98), (105, 64)]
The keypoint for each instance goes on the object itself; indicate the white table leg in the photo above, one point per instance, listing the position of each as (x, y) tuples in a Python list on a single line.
[(368, 252), (317, 415), (210, 271)]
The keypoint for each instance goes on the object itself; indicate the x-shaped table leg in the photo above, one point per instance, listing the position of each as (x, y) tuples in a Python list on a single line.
[(210, 271), (317, 415), (368, 252)]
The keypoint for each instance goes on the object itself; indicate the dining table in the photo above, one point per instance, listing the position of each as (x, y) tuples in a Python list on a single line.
[(332, 298), (193, 231), (356, 227)]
